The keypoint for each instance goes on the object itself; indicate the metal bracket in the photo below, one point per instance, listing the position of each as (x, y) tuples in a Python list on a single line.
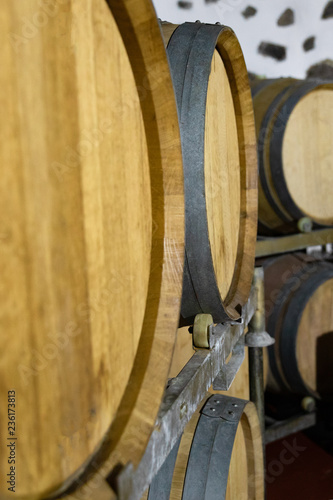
[(218, 406), (257, 336), (258, 339), (293, 242), (229, 371), (182, 397)]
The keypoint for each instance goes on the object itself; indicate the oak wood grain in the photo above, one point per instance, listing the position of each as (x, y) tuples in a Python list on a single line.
[(222, 175), (308, 154), (92, 235)]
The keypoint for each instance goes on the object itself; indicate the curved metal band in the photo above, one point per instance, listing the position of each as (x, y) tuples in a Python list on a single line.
[(261, 154), (276, 145), (190, 50), (208, 464), (290, 326), (161, 485), (209, 459)]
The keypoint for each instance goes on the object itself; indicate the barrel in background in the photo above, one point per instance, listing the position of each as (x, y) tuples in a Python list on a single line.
[(91, 249), (299, 299), (294, 123)]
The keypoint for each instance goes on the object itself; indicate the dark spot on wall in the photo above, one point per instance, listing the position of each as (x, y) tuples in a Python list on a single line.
[(328, 11), (277, 52), (309, 43), (185, 5), (211, 1), (249, 12), (322, 70), (287, 18)]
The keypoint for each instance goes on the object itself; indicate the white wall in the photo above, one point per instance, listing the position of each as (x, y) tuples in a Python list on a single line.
[(263, 27)]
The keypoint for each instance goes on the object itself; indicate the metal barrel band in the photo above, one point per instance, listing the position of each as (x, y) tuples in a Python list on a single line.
[(209, 459), (261, 155), (190, 68)]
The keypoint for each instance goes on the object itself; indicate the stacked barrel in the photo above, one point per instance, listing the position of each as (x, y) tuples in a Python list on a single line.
[(294, 123), (92, 236)]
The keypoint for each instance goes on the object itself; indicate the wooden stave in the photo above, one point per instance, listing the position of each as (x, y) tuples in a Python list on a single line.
[(162, 307), (209, 294), (284, 99), (284, 318)]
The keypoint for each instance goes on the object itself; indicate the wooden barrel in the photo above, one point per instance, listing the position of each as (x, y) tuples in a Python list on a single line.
[(299, 300), (294, 124), (204, 465), (220, 167), (237, 486), (91, 236)]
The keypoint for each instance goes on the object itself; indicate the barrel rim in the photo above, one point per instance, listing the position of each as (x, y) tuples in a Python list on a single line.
[(235, 62)]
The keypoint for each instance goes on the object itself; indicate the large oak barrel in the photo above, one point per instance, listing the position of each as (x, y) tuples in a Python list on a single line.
[(294, 122), (220, 167), (299, 301), (204, 465), (92, 236)]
